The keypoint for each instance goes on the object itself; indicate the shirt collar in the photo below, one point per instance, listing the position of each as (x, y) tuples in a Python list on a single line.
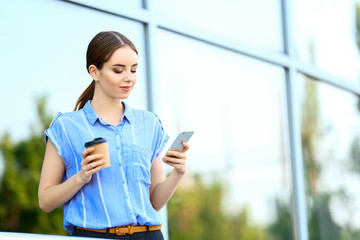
[(128, 113), (92, 116)]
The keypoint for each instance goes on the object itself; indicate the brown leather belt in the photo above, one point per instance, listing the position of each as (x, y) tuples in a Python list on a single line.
[(123, 230)]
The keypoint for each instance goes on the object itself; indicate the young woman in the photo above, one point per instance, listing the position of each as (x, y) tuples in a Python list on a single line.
[(121, 201)]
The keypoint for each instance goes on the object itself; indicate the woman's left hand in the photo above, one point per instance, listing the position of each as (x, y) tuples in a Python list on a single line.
[(177, 159)]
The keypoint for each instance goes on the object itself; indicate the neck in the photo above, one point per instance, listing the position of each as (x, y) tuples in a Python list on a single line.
[(109, 109)]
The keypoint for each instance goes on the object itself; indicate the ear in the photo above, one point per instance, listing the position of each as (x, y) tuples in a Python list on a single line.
[(94, 72)]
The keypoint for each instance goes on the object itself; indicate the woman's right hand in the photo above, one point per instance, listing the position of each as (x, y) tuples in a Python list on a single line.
[(90, 164)]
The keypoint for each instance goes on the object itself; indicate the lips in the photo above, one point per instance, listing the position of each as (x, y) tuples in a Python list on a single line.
[(126, 88)]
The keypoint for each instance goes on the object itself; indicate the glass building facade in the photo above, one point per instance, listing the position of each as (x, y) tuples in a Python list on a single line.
[(270, 88)]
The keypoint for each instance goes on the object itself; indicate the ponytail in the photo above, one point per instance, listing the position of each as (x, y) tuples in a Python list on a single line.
[(87, 95)]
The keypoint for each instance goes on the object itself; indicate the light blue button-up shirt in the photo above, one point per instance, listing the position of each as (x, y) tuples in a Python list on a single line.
[(117, 195)]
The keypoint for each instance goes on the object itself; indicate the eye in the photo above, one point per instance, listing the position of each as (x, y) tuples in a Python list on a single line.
[(133, 71), (117, 71)]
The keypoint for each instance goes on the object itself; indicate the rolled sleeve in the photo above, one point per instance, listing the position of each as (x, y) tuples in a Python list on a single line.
[(160, 138), (52, 134)]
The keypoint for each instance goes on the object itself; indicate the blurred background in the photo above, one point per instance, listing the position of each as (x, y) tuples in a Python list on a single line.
[(270, 87)]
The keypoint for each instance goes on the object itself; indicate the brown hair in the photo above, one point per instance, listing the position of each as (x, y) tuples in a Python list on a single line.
[(99, 51)]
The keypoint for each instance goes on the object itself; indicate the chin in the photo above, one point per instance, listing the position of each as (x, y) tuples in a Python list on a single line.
[(123, 97)]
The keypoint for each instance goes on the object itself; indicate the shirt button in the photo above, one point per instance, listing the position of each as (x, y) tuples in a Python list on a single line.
[(123, 181), (126, 197), (116, 133), (117, 147)]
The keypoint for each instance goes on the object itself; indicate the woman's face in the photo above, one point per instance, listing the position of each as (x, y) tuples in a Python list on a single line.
[(118, 76)]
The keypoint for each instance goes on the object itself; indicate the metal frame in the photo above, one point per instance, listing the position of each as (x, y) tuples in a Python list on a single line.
[(299, 200), (138, 15), (152, 79), (286, 60), (151, 56)]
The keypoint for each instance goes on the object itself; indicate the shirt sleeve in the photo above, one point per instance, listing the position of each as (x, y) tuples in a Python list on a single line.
[(160, 138), (55, 134)]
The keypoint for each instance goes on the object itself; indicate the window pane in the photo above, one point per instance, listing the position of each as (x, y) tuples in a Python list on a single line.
[(112, 5), (44, 52), (256, 22), (331, 140), (325, 36), (238, 165)]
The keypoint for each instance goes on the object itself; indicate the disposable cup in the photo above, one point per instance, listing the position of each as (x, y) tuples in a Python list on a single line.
[(100, 146)]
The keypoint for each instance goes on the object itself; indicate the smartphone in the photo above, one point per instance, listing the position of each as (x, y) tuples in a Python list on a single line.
[(182, 137)]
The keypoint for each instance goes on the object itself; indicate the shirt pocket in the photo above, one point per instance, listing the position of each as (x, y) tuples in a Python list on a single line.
[(139, 164)]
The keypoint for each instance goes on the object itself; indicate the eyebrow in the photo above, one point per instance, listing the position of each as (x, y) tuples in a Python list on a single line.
[(122, 65)]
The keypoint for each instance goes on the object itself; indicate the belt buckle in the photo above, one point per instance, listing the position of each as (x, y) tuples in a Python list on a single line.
[(130, 229), (118, 232)]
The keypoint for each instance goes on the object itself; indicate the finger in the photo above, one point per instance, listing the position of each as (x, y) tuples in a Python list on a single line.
[(186, 147), (170, 164), (91, 158), (92, 171), (93, 167), (86, 152), (176, 154), (174, 160), (176, 166), (95, 170), (95, 164)]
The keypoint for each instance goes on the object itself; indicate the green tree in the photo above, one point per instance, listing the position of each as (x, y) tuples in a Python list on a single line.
[(320, 222), (355, 148), (19, 207), (309, 132), (281, 228), (354, 164), (195, 213)]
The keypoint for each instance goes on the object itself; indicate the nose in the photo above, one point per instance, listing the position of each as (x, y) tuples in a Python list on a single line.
[(130, 76)]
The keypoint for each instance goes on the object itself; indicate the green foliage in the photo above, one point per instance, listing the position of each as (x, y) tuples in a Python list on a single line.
[(321, 224), (282, 226), (192, 210), (19, 207), (195, 212), (355, 148), (309, 134), (354, 165)]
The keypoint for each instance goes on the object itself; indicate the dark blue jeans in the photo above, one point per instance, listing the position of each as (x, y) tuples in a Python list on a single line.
[(149, 235)]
